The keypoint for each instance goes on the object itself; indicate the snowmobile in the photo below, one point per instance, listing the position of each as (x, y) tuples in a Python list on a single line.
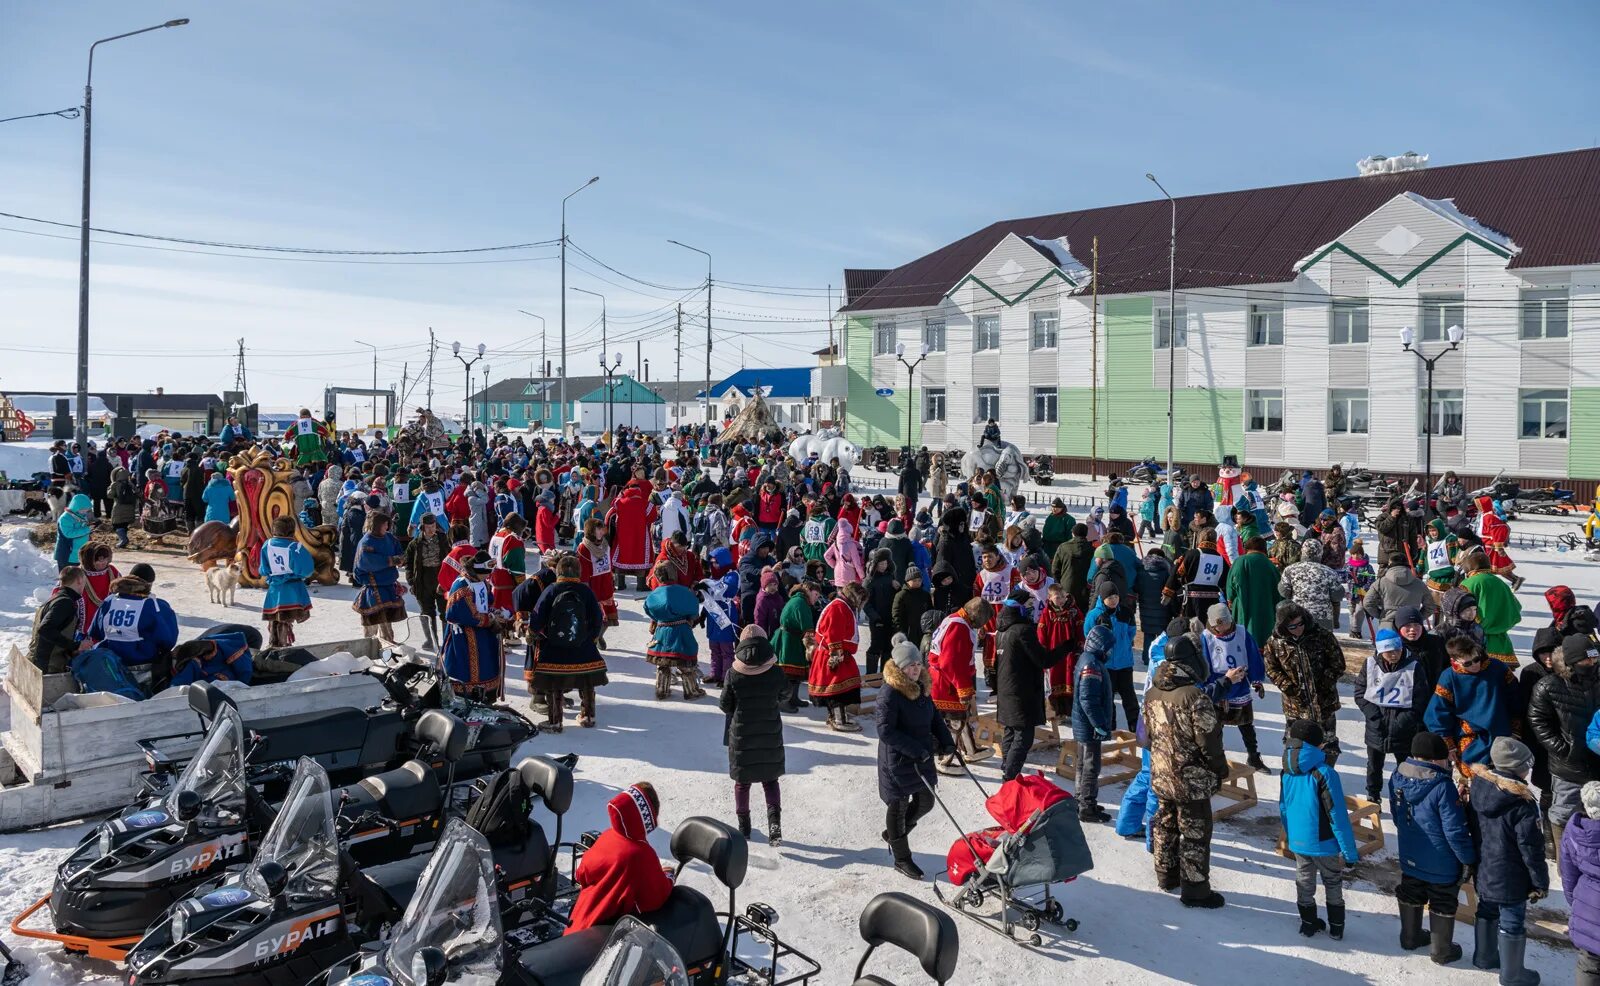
[(303, 903), (134, 865), (1148, 472), (1041, 470), (353, 743), (880, 458)]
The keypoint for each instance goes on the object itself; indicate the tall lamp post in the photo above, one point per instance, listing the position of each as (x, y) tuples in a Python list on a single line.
[(81, 432), (1172, 317), (374, 376), (1408, 336), (544, 393), (466, 398), (608, 369), (911, 383), (708, 321), (570, 194)]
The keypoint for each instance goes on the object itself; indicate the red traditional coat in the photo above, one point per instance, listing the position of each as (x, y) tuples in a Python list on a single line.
[(684, 560), (837, 634), (1060, 632), (1495, 534), (994, 587), (594, 570), (504, 579), (454, 565), (630, 518), (952, 674), (99, 588)]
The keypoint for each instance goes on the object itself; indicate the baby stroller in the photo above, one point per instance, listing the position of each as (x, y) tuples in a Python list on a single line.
[(1039, 842)]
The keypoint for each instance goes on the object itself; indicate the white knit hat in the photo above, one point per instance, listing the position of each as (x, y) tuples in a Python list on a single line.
[(903, 654)]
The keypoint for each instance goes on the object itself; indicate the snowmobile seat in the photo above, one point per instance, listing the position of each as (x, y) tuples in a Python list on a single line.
[(527, 860), (399, 879), (563, 961), (442, 731), (310, 734), (207, 701), (717, 844), (689, 922), (551, 781), (926, 932), (409, 791)]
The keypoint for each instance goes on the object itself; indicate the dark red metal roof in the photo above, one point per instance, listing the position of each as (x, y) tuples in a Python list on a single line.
[(1549, 205), (859, 280)]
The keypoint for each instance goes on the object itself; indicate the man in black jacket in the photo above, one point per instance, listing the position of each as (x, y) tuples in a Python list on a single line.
[(1019, 681), (1563, 702), (1398, 532), (1427, 649), (55, 626), (1070, 566)]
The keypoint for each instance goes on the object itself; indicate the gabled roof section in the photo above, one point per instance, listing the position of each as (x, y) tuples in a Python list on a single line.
[(776, 383), (1407, 235), (1548, 205), (624, 390), (1011, 272), (859, 280)]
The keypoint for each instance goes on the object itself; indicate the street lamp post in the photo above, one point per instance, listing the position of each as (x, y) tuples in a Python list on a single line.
[(708, 321), (1408, 336), (487, 424), (1172, 317), (374, 376), (575, 191), (466, 398), (608, 369), (544, 394), (70, 113), (911, 383), (82, 429)]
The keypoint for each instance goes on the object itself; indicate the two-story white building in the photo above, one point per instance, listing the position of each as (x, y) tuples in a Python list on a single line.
[(1290, 304)]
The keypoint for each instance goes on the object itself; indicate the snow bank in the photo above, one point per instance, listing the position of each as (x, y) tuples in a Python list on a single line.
[(19, 460), (339, 662), (26, 575)]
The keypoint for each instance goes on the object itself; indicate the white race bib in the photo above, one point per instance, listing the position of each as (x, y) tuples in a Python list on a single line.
[(482, 596), (121, 620), (401, 492), (996, 585), (277, 558), (1210, 571), (359, 454), (600, 564), (1438, 555), (815, 532), (435, 505), (1391, 689), (497, 548), (174, 469)]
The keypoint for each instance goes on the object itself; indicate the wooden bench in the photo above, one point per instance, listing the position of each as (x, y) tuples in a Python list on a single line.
[(987, 730), (869, 699), (1365, 821), (1238, 791), (1120, 760)]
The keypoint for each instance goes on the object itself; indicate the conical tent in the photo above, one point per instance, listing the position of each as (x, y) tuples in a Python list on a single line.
[(753, 424)]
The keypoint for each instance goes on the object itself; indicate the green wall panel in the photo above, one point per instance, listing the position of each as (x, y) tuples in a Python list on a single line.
[(869, 419), (1583, 449)]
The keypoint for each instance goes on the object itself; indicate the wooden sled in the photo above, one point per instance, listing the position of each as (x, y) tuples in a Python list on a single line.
[(1364, 820), (1120, 760), (1238, 791)]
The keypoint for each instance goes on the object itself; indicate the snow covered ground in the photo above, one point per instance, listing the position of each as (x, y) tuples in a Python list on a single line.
[(832, 861)]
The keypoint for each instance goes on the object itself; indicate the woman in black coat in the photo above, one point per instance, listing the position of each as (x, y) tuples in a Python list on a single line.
[(1019, 682), (194, 483), (351, 527), (954, 569), (753, 731), (97, 479), (910, 734)]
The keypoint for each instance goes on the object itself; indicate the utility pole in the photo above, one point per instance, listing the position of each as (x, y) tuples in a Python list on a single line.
[(1094, 364), (677, 391), (563, 422), (1172, 319), (431, 347), (239, 382), (638, 360), (708, 321)]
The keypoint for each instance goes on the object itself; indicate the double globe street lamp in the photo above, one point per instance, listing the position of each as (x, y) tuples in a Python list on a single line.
[(1408, 336), (466, 397), (911, 378)]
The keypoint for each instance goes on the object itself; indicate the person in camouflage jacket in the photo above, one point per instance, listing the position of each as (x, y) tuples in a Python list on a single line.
[(1186, 767), (1314, 585), (1304, 661)]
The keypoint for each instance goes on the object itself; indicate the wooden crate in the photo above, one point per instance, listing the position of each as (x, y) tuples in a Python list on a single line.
[(987, 731), (1364, 820), (1238, 791), (1120, 760)]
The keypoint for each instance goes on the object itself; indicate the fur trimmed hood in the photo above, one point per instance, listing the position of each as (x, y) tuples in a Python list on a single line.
[(913, 684)]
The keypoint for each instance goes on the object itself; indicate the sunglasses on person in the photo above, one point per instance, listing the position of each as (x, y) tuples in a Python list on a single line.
[(1295, 626), (1474, 661)]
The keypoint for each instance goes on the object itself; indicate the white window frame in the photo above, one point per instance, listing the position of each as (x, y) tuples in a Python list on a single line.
[(1437, 312), (979, 396), (1160, 314), (980, 342), (1342, 314), (1045, 405), (1267, 398), (1044, 329), (1348, 398), (1545, 305), (883, 337), (1266, 324), (1451, 403), (933, 334), (1544, 397), (935, 406)]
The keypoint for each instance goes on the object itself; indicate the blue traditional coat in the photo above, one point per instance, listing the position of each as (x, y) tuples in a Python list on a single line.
[(286, 564), (471, 651), (672, 610)]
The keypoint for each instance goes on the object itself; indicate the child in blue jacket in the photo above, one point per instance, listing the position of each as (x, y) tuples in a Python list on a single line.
[(1119, 658), (1435, 845), (1316, 825), (1093, 717)]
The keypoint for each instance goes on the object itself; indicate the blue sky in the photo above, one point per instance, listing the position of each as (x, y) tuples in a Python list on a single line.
[(790, 141)]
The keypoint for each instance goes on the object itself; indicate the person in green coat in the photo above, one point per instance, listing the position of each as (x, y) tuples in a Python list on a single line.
[(1498, 609), (815, 533), (1244, 521), (1252, 589), (795, 624), (1057, 528)]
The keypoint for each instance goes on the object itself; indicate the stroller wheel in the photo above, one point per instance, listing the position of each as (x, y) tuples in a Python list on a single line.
[(1072, 924), (1052, 912), (1035, 941), (1031, 922)]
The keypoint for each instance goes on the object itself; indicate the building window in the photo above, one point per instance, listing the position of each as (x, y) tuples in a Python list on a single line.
[(1266, 325), (527, 412), (1544, 413), (1439, 312), (1044, 405), (1349, 324), (933, 404), (1347, 412), (1544, 316), (1445, 417), (986, 404), (1164, 323), (933, 335), (1265, 410), (985, 333), (1046, 330), (882, 338)]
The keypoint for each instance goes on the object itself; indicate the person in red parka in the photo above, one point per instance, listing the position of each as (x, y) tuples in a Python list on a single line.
[(620, 874), (770, 506), (629, 520), (952, 672)]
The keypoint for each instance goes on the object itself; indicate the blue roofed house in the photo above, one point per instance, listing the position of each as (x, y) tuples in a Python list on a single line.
[(787, 390)]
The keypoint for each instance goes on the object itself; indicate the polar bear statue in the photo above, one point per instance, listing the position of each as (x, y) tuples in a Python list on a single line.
[(825, 448), (1005, 459)]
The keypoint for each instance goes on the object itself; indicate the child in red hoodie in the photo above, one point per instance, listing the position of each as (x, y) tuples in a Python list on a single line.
[(620, 874), (1061, 634)]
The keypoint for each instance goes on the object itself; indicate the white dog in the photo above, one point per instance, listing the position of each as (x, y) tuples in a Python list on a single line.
[(222, 581)]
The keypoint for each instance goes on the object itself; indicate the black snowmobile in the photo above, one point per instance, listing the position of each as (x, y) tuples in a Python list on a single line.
[(137, 863), (353, 743), (303, 903)]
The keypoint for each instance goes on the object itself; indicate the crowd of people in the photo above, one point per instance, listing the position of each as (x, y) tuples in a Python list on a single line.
[(804, 589)]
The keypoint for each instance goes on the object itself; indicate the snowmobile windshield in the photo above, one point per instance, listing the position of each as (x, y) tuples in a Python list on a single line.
[(216, 772), (302, 839), (456, 909), (636, 956)]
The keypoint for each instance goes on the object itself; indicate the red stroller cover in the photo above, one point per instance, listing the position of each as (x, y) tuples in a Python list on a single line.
[(1011, 806)]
